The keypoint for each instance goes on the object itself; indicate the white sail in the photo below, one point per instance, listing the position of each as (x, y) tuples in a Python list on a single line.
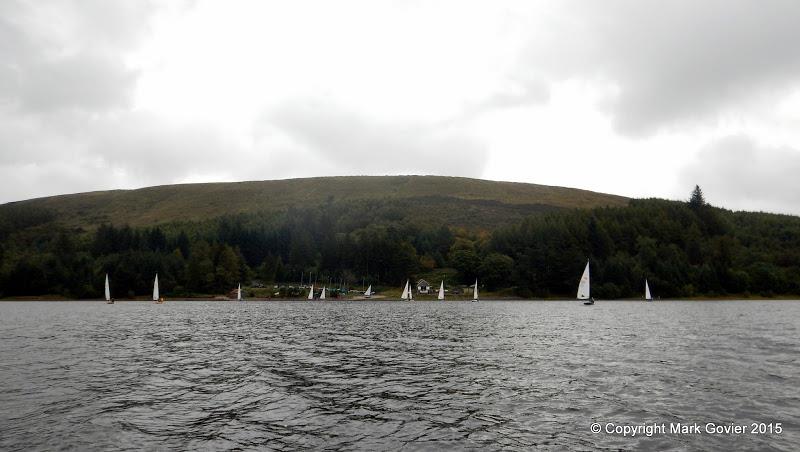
[(155, 289), (368, 293), (475, 291), (322, 295), (583, 287), (647, 295), (405, 294), (108, 289), (311, 293), (239, 293), (441, 291)]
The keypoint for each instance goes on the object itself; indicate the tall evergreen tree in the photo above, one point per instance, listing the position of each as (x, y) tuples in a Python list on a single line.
[(697, 200)]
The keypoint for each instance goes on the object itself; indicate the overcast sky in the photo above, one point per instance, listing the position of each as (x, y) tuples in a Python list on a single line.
[(638, 98)]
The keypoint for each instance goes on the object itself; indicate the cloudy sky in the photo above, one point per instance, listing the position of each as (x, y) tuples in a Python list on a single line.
[(639, 98)]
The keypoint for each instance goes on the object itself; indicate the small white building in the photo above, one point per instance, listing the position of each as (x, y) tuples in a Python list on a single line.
[(423, 286)]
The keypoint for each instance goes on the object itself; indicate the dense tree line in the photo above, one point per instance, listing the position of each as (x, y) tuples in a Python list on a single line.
[(682, 248)]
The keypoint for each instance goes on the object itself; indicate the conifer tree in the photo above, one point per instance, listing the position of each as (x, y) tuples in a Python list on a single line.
[(697, 199)]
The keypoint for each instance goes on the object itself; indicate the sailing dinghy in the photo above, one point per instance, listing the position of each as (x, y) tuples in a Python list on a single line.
[(156, 298), (109, 300), (406, 296), (583, 287)]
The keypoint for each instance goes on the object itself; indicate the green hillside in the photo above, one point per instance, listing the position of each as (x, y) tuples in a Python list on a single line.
[(455, 200), (529, 240)]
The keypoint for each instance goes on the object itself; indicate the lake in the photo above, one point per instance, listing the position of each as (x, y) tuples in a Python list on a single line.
[(380, 375)]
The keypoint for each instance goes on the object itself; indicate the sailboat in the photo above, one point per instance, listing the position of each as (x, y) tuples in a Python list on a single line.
[(311, 293), (406, 293), (647, 296), (156, 298), (583, 287), (475, 291), (441, 291), (239, 293), (322, 295), (109, 300), (368, 293)]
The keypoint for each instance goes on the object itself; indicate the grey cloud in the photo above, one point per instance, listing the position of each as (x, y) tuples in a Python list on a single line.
[(517, 92), (152, 150), (736, 172), (125, 150), (43, 71), (53, 177), (110, 25), (674, 62), (345, 138), (85, 82), (63, 84)]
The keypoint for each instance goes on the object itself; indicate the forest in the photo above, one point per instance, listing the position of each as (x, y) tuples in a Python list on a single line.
[(684, 249)]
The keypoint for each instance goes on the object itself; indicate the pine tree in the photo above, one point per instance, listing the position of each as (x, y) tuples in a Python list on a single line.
[(697, 199)]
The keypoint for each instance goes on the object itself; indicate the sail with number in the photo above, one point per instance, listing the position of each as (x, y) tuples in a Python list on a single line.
[(155, 289), (322, 295), (368, 293), (583, 287), (108, 289), (647, 295), (441, 291), (311, 293)]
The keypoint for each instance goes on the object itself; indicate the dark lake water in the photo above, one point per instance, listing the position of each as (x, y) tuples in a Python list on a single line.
[(395, 375)]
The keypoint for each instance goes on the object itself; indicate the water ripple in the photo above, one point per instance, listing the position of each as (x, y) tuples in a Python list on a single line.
[(380, 375)]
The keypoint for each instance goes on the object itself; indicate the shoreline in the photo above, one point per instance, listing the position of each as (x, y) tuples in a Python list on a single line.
[(57, 299)]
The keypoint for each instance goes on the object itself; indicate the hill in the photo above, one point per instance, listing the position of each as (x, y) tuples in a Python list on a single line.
[(457, 201), (526, 239)]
